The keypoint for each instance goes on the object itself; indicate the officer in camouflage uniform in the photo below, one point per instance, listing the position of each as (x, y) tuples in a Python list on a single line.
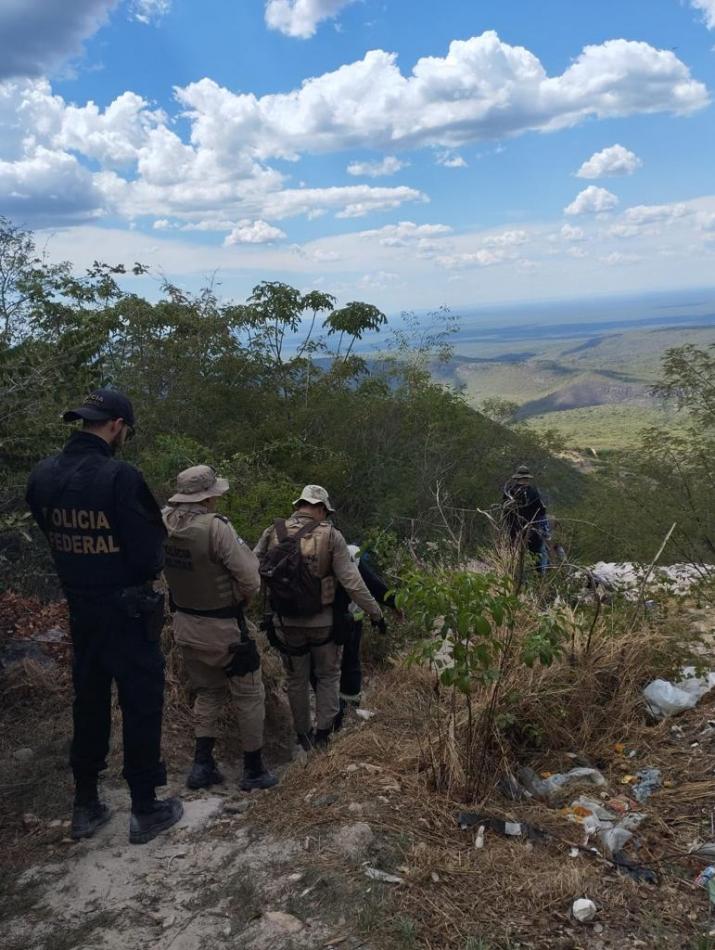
[(107, 541), (310, 638), (211, 575)]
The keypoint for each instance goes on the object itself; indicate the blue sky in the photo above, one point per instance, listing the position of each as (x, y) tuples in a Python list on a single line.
[(407, 153)]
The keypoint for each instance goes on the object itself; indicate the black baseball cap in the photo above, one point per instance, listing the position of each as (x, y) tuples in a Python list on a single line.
[(101, 405)]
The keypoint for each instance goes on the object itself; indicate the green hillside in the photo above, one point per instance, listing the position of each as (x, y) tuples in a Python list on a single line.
[(594, 392)]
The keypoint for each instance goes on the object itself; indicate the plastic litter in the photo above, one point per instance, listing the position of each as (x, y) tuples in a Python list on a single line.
[(666, 699), (479, 840), (509, 829), (613, 830), (550, 788), (583, 910), (649, 780), (375, 874), (706, 879), (637, 872), (511, 788), (589, 806), (621, 806)]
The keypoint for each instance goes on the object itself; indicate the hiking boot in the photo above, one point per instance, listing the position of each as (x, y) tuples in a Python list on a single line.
[(87, 818), (345, 704), (203, 775), (306, 740), (322, 738), (255, 774), (204, 772), (338, 721), (150, 819)]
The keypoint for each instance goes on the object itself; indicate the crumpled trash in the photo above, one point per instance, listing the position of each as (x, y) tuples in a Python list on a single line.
[(511, 788), (637, 872), (664, 698), (583, 910), (549, 788), (649, 781), (375, 874), (613, 830), (706, 879), (509, 829)]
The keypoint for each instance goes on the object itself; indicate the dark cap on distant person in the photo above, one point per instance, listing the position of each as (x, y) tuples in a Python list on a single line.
[(102, 405), (522, 472)]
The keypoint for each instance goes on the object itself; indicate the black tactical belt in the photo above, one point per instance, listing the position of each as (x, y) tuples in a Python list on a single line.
[(232, 613)]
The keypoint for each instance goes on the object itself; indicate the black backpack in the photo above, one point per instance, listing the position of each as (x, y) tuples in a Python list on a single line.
[(293, 590)]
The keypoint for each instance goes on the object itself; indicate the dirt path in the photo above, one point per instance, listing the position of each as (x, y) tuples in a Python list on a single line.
[(212, 881)]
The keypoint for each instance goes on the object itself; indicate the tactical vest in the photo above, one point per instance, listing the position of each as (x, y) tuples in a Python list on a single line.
[(195, 580), (315, 551), (81, 521)]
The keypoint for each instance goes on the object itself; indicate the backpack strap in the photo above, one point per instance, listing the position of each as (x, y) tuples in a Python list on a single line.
[(279, 526), (306, 530)]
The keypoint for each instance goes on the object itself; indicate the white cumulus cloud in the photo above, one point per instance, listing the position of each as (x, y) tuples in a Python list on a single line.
[(38, 36), (352, 201), (149, 11), (300, 18), (609, 163), (592, 200), (571, 233), (707, 8), (130, 159), (482, 258), (615, 258), (449, 160), (253, 232), (506, 239), (482, 89), (655, 214), (389, 165), (49, 186)]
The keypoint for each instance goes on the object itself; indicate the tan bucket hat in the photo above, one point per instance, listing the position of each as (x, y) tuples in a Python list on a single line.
[(197, 484), (315, 495)]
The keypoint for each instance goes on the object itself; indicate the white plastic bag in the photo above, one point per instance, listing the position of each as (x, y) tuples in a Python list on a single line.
[(665, 699)]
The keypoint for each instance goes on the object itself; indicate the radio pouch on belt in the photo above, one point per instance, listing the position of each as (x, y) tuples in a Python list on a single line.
[(148, 605), (245, 657)]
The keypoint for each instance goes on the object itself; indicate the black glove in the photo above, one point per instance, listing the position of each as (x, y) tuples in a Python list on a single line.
[(244, 658), (380, 625)]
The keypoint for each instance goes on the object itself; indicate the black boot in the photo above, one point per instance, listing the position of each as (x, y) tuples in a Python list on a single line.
[(204, 772), (255, 774), (88, 812), (306, 740), (87, 818), (338, 721), (150, 818), (322, 738)]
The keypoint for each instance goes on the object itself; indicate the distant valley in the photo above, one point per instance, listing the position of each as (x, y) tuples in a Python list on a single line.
[(589, 381)]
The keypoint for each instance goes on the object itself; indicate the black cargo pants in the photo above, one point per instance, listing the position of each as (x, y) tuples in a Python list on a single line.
[(108, 645), (351, 665)]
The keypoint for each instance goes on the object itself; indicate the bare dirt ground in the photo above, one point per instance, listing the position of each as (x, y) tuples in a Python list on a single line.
[(296, 867)]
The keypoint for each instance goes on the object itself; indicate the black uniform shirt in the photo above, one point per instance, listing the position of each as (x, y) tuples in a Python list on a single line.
[(523, 504), (102, 523)]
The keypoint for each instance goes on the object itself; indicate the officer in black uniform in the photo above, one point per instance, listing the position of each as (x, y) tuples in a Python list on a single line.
[(106, 536)]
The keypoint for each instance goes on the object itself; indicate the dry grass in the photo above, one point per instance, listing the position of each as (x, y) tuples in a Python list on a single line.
[(513, 892)]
